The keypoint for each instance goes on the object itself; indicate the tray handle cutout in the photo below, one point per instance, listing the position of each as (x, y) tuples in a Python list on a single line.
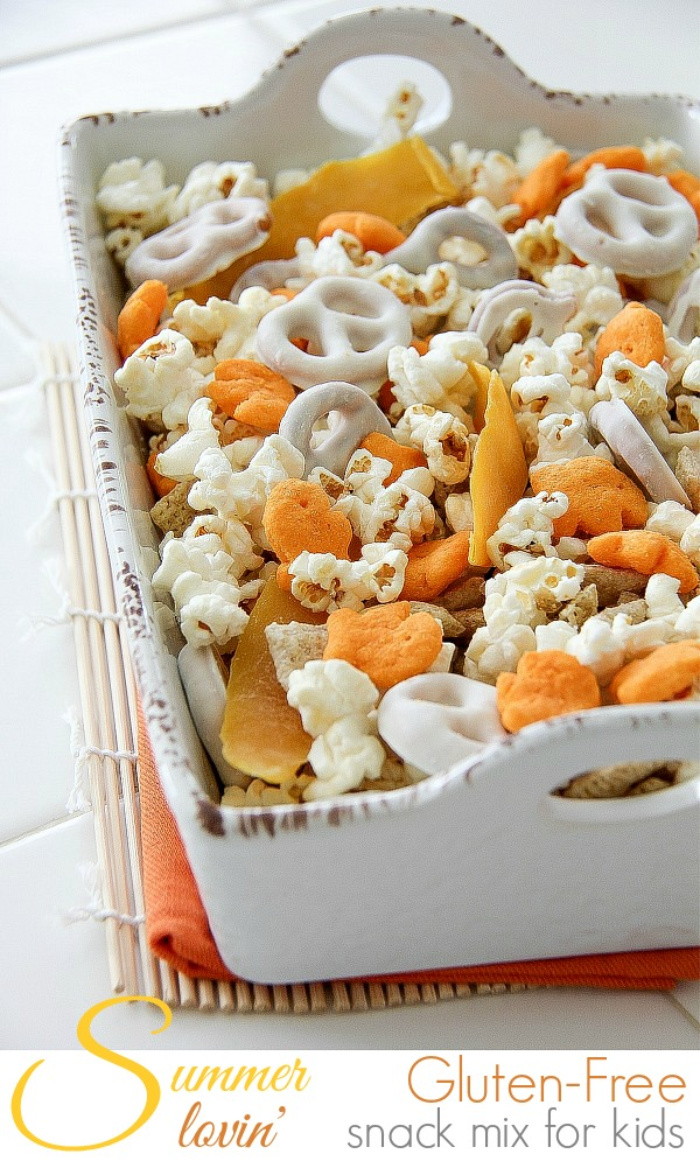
[(355, 94), (446, 50), (546, 756)]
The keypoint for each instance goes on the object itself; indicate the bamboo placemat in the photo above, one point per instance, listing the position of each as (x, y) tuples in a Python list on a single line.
[(108, 707)]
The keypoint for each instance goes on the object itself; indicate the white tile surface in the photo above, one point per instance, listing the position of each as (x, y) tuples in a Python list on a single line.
[(36, 28), (43, 956), (77, 60)]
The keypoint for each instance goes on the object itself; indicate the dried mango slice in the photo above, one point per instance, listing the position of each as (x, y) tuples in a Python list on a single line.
[(261, 734), (499, 471), (400, 183)]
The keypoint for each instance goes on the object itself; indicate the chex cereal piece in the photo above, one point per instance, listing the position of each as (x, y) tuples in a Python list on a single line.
[(609, 781), (649, 785), (299, 516), (636, 611), (688, 473), (665, 674), (545, 685), (647, 552), (251, 393), (581, 607), (451, 627), (611, 583), (292, 645), (637, 332), (388, 643), (601, 498), (465, 593), (259, 793), (172, 513), (471, 620)]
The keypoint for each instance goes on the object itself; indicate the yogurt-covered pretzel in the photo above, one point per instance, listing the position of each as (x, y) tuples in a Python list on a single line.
[(435, 720), (548, 310), (350, 324), (422, 248), (268, 274), (634, 222), (684, 309), (202, 244), (635, 451), (357, 415)]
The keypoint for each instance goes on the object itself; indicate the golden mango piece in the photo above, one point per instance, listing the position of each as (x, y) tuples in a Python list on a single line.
[(401, 183), (499, 471), (262, 734)]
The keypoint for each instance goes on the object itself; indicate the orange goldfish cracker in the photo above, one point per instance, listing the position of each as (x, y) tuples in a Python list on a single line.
[(299, 515), (667, 673), (535, 194), (388, 642), (647, 552), (285, 292), (251, 393), (434, 565), (371, 230), (611, 156), (139, 317), (687, 184), (601, 497), (161, 484), (386, 398), (401, 458), (637, 332), (546, 685)]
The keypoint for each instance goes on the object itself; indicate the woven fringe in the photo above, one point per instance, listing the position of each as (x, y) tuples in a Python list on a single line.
[(95, 909)]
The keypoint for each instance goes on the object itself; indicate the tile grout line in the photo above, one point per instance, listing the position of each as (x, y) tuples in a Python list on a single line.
[(29, 58), (51, 825)]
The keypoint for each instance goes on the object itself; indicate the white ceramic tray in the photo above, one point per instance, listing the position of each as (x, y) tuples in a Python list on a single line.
[(471, 867)]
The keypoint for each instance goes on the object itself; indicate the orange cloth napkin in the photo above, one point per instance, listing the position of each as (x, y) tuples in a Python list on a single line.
[(178, 930)]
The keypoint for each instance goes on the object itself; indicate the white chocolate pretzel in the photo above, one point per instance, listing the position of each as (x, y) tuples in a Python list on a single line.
[(542, 311), (436, 720), (270, 274), (350, 324), (422, 248), (357, 415), (202, 244), (635, 451), (684, 309), (205, 686), (634, 222)]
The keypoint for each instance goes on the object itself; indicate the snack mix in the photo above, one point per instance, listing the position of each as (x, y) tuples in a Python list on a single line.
[(424, 433)]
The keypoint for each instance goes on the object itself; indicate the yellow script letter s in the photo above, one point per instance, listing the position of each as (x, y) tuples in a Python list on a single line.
[(93, 1046)]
